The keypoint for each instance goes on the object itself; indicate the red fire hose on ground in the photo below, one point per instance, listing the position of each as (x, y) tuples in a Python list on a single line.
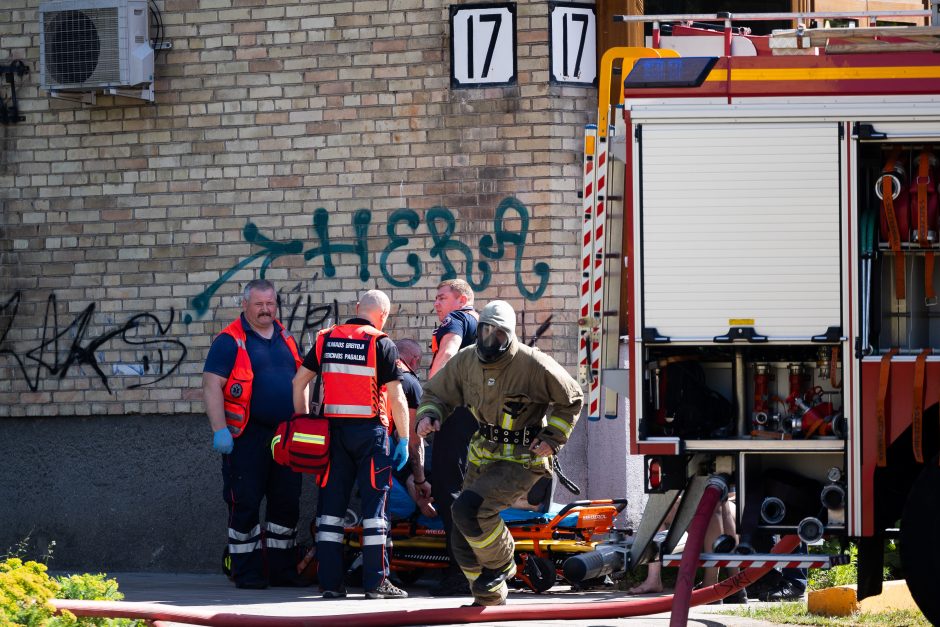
[(437, 616)]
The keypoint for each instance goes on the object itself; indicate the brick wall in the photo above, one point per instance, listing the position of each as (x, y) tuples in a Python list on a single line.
[(316, 143)]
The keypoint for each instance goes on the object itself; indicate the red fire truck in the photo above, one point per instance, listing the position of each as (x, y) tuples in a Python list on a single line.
[(760, 239)]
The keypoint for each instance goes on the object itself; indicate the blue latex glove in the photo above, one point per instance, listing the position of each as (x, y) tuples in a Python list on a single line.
[(400, 454), (222, 441)]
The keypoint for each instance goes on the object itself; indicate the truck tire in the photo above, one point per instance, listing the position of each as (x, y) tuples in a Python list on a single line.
[(920, 542)]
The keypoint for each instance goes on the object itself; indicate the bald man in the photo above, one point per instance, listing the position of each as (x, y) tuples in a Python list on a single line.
[(359, 387)]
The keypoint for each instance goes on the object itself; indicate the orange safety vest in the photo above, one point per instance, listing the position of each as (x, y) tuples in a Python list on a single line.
[(237, 390), (349, 372)]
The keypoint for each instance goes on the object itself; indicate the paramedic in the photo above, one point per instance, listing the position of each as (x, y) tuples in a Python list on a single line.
[(359, 386), (527, 406), (246, 384)]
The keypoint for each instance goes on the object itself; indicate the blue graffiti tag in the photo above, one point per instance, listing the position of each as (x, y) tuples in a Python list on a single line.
[(517, 239), (270, 250), (441, 226)]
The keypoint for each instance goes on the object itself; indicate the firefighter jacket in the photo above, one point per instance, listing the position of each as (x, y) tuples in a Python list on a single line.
[(237, 391), (348, 370), (522, 391)]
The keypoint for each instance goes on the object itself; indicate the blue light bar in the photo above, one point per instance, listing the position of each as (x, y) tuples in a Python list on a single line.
[(669, 72)]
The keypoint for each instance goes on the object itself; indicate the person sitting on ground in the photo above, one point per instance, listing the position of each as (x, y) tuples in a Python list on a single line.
[(721, 523)]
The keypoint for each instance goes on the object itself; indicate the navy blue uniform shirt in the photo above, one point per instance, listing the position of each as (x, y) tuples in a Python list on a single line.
[(273, 366), (460, 322), (412, 388)]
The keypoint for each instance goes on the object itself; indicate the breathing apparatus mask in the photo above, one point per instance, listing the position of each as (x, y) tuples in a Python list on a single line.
[(496, 331), (491, 343)]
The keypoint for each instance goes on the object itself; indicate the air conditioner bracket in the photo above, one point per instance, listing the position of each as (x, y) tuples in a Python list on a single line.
[(10, 113)]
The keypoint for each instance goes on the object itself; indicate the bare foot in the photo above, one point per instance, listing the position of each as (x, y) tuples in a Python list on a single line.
[(647, 587)]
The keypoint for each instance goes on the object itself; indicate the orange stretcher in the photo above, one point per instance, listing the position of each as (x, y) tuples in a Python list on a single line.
[(543, 542)]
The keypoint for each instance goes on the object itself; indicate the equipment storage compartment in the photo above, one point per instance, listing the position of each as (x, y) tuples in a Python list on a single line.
[(789, 493), (768, 393), (899, 285), (735, 217)]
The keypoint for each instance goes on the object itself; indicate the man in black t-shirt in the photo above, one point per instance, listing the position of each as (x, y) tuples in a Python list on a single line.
[(357, 364)]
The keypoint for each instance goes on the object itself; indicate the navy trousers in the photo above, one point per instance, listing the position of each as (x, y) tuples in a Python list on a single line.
[(250, 475), (360, 455)]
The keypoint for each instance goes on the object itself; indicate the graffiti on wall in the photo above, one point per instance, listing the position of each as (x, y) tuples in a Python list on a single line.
[(305, 317), (441, 226), (69, 344), (62, 347), (66, 346)]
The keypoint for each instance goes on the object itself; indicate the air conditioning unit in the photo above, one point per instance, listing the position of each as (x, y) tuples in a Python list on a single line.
[(96, 46)]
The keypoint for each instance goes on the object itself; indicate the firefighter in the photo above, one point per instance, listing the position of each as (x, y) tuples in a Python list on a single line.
[(526, 405), (246, 385), (359, 386)]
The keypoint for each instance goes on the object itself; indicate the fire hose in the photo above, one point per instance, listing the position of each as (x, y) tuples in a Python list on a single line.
[(716, 490), (461, 615)]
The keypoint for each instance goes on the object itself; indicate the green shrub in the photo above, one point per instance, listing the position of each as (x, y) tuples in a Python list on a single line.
[(26, 591), (89, 588), (820, 578), (848, 574)]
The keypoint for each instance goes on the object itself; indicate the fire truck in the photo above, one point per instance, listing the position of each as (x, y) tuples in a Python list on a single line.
[(760, 239)]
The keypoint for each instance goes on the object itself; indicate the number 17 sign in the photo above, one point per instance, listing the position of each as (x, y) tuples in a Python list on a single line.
[(574, 43), (483, 44)]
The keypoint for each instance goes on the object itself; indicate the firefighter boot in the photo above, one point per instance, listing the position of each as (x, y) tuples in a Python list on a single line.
[(490, 588)]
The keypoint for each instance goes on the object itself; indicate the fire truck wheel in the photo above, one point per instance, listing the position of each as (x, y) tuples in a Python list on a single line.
[(920, 542), (227, 563)]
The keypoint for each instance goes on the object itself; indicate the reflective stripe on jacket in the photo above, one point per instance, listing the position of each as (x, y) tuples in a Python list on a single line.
[(349, 371), (523, 388), (237, 390)]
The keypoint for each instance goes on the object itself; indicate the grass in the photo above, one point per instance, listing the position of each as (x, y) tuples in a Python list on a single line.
[(795, 614)]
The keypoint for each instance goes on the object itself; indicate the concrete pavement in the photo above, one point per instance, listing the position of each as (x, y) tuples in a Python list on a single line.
[(214, 593)]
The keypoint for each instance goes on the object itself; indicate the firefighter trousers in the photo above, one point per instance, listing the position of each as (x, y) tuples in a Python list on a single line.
[(359, 454), (249, 475), (449, 465), (481, 538)]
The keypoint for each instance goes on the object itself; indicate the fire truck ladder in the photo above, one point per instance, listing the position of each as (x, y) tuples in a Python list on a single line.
[(599, 329)]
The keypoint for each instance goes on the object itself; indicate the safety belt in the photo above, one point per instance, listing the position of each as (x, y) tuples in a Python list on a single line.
[(894, 234), (880, 408), (923, 177), (917, 426)]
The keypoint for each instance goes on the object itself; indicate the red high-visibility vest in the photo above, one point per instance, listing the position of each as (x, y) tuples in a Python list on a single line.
[(349, 372), (237, 390)]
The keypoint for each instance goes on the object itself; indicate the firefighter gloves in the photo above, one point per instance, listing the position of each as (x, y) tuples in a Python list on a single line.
[(400, 454), (222, 441)]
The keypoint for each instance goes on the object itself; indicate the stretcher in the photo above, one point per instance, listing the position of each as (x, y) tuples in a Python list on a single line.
[(543, 542)]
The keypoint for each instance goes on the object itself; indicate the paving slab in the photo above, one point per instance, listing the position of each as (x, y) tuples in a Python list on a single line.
[(214, 593)]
